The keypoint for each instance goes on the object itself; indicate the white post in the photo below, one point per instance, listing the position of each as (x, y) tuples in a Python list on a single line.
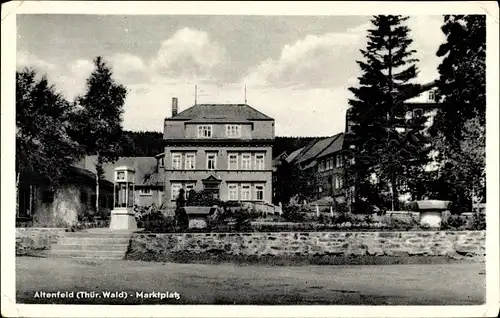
[(317, 210), (331, 211)]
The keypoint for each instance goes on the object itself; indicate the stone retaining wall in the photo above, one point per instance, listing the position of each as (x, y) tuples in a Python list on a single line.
[(439, 243), (36, 240)]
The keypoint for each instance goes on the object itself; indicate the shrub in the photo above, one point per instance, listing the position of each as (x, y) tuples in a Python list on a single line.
[(453, 222), (152, 219), (479, 223), (242, 221), (402, 224), (203, 198), (292, 213)]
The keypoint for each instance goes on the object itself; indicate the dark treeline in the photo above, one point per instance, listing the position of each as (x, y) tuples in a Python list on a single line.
[(150, 143)]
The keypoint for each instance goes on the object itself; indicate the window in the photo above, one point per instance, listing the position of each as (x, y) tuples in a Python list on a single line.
[(338, 162), (102, 201), (259, 192), (246, 161), (190, 161), (432, 96), (204, 131), (145, 191), (352, 193), (338, 182), (211, 161), (233, 130), (84, 198), (233, 161), (418, 112), (176, 161), (48, 196), (233, 191), (330, 162), (245, 192), (259, 161), (175, 190)]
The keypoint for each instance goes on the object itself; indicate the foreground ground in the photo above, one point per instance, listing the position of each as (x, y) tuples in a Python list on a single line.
[(425, 284)]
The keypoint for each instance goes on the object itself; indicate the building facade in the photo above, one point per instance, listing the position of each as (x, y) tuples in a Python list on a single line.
[(149, 176), (43, 204), (324, 158), (223, 149)]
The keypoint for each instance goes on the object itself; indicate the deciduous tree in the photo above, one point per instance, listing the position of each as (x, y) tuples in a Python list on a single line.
[(44, 147), (459, 125), (101, 108)]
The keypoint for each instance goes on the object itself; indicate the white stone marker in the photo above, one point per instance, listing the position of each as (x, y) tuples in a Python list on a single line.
[(122, 215)]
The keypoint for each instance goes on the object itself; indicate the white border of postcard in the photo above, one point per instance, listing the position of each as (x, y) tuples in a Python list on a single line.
[(11, 309)]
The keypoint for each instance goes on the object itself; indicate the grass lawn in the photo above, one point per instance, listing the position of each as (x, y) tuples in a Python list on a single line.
[(414, 284)]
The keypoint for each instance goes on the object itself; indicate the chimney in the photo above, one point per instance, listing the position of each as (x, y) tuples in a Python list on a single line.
[(175, 108)]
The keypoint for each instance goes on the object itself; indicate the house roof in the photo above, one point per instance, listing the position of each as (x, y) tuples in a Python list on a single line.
[(334, 147), (294, 155), (146, 169), (279, 158), (316, 148), (221, 113)]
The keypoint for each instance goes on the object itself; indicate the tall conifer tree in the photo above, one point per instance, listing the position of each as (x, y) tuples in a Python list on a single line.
[(382, 142)]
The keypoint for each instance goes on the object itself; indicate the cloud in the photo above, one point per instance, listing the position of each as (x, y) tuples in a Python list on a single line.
[(297, 112), (427, 36), (129, 68), (314, 61), (25, 59), (68, 79), (304, 88), (188, 54)]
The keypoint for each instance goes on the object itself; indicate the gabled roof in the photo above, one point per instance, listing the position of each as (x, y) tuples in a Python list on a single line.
[(221, 113), (294, 155), (279, 158), (146, 172), (211, 178), (334, 147), (316, 149)]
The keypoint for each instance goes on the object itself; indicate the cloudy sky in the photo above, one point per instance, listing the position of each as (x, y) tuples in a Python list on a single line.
[(296, 69)]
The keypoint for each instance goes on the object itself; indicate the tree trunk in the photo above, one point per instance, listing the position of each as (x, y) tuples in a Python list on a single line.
[(31, 201), (394, 192), (97, 171), (473, 199), (17, 193), (97, 194)]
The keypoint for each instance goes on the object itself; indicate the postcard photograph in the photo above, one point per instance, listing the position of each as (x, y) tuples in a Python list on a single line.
[(251, 159)]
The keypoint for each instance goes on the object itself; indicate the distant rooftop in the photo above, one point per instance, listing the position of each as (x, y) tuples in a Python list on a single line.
[(221, 112)]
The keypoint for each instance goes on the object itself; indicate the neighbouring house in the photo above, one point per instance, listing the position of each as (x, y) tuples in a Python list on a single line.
[(224, 149), (64, 204), (324, 157), (149, 176)]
